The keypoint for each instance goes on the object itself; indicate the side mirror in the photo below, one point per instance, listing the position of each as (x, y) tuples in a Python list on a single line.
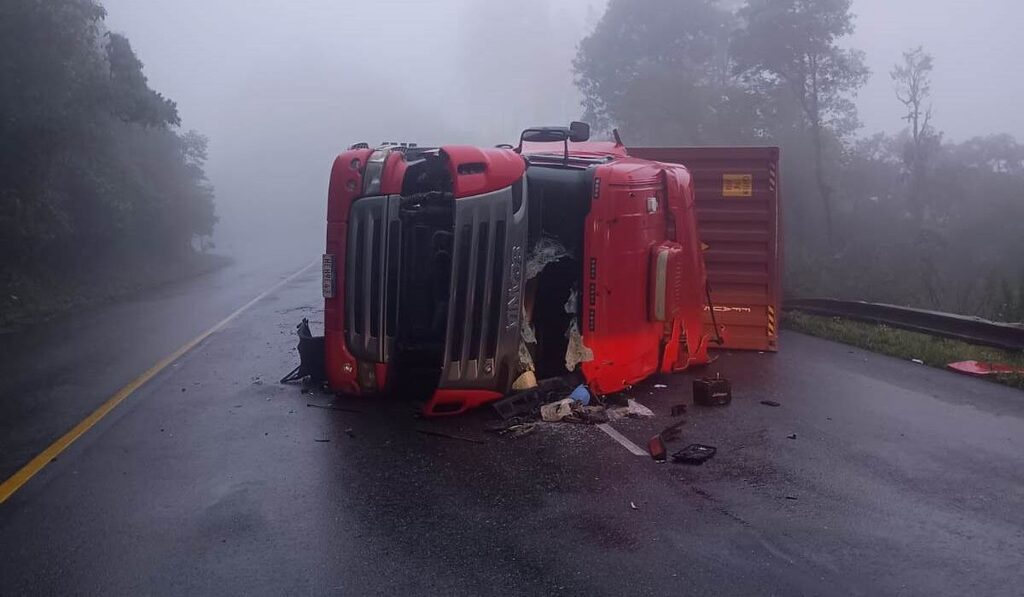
[(579, 132)]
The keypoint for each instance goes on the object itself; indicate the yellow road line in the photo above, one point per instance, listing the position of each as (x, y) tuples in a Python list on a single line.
[(18, 479)]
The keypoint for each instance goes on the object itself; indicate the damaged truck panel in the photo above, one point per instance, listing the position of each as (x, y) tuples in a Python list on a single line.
[(737, 193), (640, 209)]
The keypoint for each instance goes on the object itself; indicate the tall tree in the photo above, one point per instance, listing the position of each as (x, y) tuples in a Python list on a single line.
[(794, 44), (912, 79), (660, 70)]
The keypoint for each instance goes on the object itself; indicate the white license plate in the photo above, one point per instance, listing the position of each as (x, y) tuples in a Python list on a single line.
[(328, 276)]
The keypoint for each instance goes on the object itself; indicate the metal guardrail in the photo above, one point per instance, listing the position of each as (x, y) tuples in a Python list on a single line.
[(974, 330)]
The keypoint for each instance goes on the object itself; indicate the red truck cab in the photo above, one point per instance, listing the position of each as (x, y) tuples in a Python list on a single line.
[(457, 272)]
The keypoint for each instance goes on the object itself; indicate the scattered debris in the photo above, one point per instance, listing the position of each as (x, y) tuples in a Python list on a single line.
[(656, 448), (528, 402), (791, 436), (678, 410), (981, 368), (791, 497), (696, 454), (514, 427), (526, 381), (660, 385), (322, 441), (672, 432), (450, 436), (517, 431), (311, 356), (712, 391), (331, 407), (556, 411), (581, 394), (918, 361), (633, 506), (770, 403), (635, 410)]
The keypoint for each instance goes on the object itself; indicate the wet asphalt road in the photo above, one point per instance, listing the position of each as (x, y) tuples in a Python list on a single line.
[(214, 479)]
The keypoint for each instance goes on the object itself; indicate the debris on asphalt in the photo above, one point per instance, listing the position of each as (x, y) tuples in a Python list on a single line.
[(712, 391), (918, 361), (770, 403), (696, 454), (635, 410), (528, 402), (572, 411), (514, 427), (656, 448), (581, 394), (678, 410), (672, 432), (332, 407), (311, 356), (791, 497), (660, 386), (791, 436), (450, 436), (633, 506), (556, 411), (322, 441)]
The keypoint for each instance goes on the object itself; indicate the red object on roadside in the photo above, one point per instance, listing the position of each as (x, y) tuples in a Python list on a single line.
[(656, 448), (981, 368)]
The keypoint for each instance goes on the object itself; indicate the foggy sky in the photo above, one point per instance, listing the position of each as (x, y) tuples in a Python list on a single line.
[(280, 88)]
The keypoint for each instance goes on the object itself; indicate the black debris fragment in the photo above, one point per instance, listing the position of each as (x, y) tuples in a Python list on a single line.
[(791, 436), (696, 454), (678, 410), (450, 436), (672, 432), (770, 403), (311, 356), (322, 441), (331, 407)]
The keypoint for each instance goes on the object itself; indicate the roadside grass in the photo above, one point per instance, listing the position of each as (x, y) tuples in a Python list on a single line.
[(933, 351)]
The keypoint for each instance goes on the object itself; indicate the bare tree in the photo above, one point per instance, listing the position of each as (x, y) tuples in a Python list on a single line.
[(913, 89)]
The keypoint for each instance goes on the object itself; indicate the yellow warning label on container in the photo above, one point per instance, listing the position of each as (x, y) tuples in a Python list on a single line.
[(737, 185)]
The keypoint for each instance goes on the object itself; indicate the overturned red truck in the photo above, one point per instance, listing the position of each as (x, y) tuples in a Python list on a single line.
[(459, 272)]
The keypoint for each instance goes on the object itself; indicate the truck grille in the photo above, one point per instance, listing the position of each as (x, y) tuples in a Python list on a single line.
[(371, 278), (484, 308)]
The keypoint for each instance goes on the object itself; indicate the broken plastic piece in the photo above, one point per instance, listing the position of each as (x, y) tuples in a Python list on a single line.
[(581, 394), (556, 411), (311, 356), (696, 454), (656, 448)]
